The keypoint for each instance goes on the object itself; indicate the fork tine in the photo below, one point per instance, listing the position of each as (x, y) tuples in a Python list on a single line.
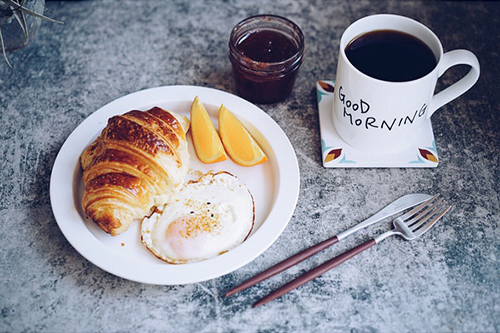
[(425, 215), (429, 214), (418, 208), (429, 224)]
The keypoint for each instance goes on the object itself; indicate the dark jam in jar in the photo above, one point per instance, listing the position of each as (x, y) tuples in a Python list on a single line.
[(266, 52), (267, 46)]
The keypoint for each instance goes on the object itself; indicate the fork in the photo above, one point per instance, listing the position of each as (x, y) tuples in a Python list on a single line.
[(409, 226)]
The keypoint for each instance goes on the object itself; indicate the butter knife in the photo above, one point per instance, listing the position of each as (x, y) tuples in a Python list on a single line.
[(395, 207)]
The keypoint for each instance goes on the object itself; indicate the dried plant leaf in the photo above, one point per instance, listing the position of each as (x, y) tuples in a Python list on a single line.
[(16, 9), (4, 6), (19, 6), (3, 49), (22, 22)]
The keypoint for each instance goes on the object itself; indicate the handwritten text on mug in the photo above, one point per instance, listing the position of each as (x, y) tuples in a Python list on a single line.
[(352, 108)]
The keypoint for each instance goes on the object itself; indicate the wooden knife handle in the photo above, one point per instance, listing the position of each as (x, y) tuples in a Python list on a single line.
[(283, 265), (306, 277)]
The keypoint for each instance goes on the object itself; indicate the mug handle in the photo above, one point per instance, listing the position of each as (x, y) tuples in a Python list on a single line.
[(449, 59)]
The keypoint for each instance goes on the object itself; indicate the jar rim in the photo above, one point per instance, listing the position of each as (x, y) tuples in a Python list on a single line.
[(284, 65)]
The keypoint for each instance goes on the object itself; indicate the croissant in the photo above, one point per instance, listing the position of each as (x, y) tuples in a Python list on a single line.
[(138, 162)]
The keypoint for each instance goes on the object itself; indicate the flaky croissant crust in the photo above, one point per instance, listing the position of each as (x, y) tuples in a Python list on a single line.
[(138, 162)]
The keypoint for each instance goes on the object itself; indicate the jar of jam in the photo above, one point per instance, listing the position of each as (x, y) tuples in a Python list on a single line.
[(266, 52)]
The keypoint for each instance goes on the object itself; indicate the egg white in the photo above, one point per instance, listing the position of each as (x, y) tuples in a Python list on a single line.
[(207, 218)]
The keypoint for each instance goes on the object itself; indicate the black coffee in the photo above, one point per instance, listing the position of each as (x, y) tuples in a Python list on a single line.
[(391, 55)]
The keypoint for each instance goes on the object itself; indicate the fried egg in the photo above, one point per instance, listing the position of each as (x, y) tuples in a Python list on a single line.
[(208, 217)]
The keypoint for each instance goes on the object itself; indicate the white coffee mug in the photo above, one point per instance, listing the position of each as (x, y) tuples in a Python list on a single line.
[(385, 117)]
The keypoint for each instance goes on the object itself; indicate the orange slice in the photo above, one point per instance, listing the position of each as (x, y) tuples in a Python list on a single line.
[(206, 141), (239, 144)]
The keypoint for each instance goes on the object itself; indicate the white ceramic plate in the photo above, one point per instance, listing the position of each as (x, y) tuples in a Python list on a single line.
[(274, 185)]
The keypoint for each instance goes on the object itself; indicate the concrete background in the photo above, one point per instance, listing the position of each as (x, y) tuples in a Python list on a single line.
[(446, 281)]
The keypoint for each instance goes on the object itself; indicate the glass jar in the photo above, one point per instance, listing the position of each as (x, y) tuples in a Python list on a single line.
[(266, 52)]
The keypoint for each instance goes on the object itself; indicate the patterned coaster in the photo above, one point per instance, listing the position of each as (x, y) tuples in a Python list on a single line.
[(338, 154)]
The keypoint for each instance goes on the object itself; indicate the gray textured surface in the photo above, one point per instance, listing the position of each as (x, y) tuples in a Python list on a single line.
[(446, 281)]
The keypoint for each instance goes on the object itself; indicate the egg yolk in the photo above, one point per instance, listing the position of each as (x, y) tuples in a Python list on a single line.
[(193, 234)]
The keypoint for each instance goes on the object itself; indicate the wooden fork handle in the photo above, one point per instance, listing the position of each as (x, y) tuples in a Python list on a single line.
[(285, 264), (314, 273)]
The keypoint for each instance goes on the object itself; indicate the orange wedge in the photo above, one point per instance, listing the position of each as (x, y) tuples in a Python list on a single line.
[(206, 141), (239, 144)]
